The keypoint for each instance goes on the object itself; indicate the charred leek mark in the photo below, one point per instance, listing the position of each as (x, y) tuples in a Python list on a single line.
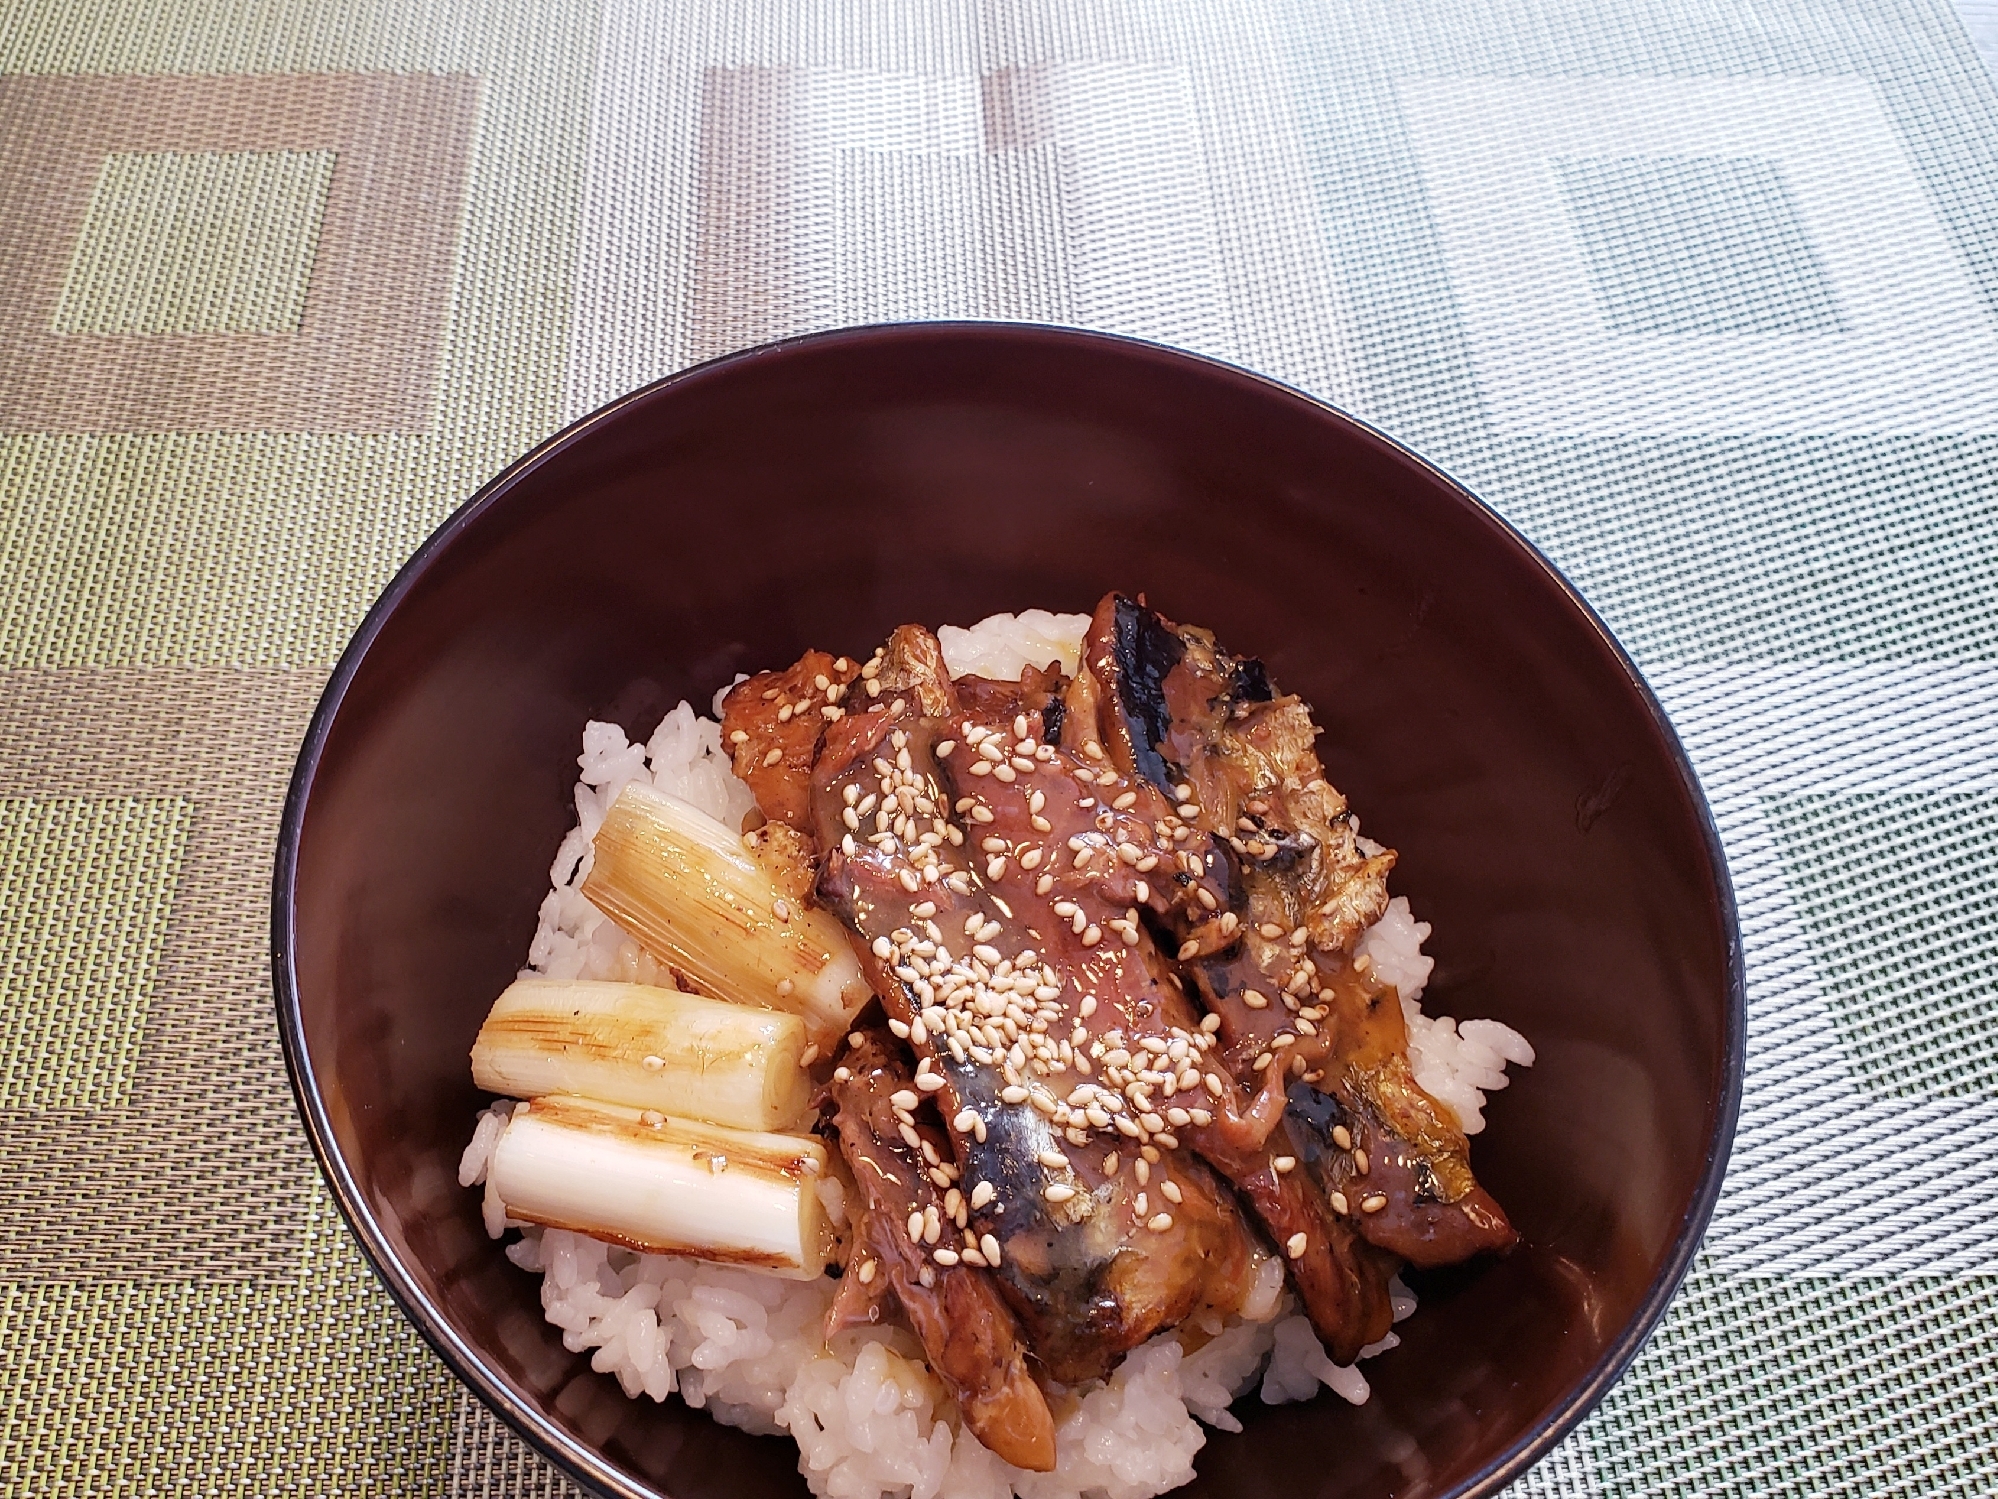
[(665, 1186), (679, 1054), (685, 887)]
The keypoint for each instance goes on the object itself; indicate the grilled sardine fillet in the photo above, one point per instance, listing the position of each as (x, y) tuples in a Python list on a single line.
[(903, 1228), (1276, 965), (942, 812)]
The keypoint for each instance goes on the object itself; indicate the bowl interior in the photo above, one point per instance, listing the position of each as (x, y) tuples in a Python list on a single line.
[(823, 492)]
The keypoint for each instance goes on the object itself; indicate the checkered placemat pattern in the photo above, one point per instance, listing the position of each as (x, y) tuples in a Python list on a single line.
[(1702, 296)]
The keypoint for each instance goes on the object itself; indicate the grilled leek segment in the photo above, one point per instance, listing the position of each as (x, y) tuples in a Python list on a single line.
[(665, 1186), (632, 1044), (685, 887)]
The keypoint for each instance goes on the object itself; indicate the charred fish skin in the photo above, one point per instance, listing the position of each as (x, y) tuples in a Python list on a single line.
[(969, 1336), (1289, 993), (992, 990)]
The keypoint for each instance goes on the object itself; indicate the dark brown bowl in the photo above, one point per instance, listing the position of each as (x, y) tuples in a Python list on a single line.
[(819, 492)]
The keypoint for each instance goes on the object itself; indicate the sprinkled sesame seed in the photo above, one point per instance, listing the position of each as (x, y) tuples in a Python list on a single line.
[(1255, 999), (773, 757), (944, 1257), (1057, 1192), (1091, 935), (1342, 1137), (1159, 1222), (981, 1194), (809, 1055), (1128, 799), (1284, 1163), (654, 1064), (1295, 1246), (1373, 1204), (1169, 1189), (867, 1270), (1188, 949), (1338, 1202), (1360, 1161), (989, 1247), (945, 747)]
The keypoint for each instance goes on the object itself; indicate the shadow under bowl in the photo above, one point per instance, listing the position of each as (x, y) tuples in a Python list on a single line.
[(820, 492)]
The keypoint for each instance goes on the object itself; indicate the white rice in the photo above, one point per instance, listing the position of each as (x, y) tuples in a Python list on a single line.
[(869, 1419), (1001, 647)]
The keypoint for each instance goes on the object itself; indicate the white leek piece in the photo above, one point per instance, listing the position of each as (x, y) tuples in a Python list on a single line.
[(685, 887), (736, 1197), (680, 1054)]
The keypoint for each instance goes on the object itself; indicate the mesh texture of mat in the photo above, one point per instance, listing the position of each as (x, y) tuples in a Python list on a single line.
[(1702, 296)]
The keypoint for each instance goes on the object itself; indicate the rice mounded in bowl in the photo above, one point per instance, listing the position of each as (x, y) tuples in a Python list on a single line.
[(868, 1416)]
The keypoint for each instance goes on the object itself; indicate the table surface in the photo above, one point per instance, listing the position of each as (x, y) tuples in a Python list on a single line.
[(1702, 296)]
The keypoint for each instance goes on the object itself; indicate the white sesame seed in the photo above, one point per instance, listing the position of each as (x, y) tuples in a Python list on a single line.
[(1160, 1222), (944, 748), (1360, 1161), (1284, 1163), (981, 1194), (1255, 999), (773, 757), (654, 1064), (867, 1270), (1341, 1137), (1295, 1246), (1057, 1192), (989, 1247), (916, 1227), (944, 1257), (1169, 1189)]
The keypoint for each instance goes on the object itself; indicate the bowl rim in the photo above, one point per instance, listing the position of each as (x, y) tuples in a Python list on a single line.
[(583, 1462)]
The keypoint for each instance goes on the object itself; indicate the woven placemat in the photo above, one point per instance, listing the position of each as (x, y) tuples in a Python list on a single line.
[(1704, 297)]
